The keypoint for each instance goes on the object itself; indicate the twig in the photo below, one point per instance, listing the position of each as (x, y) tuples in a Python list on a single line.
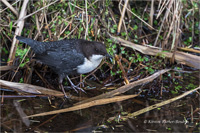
[(44, 80), (151, 13), (27, 51), (166, 15), (7, 26), (6, 68), (22, 18), (10, 7), (189, 50), (92, 3), (76, 6), (122, 16), (86, 13), (23, 116), (86, 105), (139, 112), (164, 4), (72, 31), (18, 31), (20, 63), (140, 18), (30, 88), (7, 7), (122, 69), (36, 89), (64, 29), (127, 87), (181, 57)]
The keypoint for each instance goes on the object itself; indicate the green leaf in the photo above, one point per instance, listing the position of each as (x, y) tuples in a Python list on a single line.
[(135, 27), (11, 25), (21, 80), (112, 30), (66, 23)]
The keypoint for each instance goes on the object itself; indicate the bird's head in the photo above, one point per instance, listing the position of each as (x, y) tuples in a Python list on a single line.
[(97, 50)]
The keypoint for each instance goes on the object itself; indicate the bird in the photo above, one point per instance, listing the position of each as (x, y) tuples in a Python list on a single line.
[(68, 56)]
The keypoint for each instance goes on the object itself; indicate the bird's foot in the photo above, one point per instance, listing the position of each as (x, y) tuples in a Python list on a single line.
[(81, 84), (75, 87)]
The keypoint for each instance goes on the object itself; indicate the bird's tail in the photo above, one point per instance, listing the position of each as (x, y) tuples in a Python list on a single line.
[(37, 47), (28, 41)]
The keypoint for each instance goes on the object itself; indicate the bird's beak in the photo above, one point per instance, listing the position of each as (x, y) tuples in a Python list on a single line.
[(109, 56)]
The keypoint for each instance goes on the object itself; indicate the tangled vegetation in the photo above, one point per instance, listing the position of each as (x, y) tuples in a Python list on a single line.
[(145, 38)]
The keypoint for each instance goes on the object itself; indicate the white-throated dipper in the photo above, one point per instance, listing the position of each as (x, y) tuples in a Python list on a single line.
[(68, 57)]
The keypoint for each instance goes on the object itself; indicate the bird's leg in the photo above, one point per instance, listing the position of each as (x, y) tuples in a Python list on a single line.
[(81, 83), (74, 86), (61, 86)]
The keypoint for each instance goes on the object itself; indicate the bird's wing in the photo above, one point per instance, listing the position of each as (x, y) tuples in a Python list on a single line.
[(61, 58)]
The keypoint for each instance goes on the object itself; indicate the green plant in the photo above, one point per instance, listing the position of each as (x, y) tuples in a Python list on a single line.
[(21, 80), (21, 53), (123, 34), (5, 50), (79, 32), (150, 69), (188, 41), (136, 39), (112, 47), (11, 25), (113, 29), (191, 86), (177, 88), (135, 27)]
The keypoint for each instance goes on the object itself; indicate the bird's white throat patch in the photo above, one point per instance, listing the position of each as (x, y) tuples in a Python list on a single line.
[(90, 65)]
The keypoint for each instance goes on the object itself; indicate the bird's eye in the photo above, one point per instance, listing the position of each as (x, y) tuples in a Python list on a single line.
[(96, 49)]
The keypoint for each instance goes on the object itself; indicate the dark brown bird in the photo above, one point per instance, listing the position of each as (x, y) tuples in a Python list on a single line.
[(68, 57)]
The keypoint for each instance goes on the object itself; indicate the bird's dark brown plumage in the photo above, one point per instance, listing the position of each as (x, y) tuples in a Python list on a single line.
[(68, 57)]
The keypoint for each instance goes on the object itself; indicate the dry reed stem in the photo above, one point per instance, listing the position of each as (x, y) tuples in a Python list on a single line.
[(189, 50), (21, 113), (22, 18), (126, 87), (86, 13), (151, 13), (37, 90), (10, 7), (7, 7), (86, 105), (139, 112), (20, 63), (122, 16), (104, 98), (163, 21), (18, 31), (122, 69), (140, 18), (180, 57), (163, 6)]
